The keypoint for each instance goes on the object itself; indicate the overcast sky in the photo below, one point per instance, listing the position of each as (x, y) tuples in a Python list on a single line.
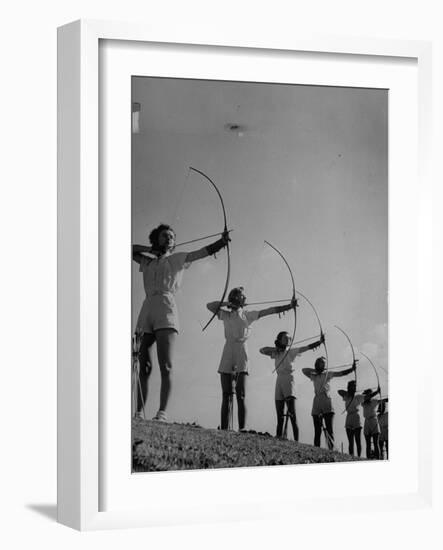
[(309, 174)]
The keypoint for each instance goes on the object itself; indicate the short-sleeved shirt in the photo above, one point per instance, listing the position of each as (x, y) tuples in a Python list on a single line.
[(320, 381), (285, 366), (352, 403), (353, 420), (237, 329), (237, 323), (370, 408), (163, 275)]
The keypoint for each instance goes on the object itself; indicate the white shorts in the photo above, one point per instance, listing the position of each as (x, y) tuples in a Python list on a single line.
[(322, 404), (284, 387), (234, 358), (371, 426), (158, 312), (353, 421)]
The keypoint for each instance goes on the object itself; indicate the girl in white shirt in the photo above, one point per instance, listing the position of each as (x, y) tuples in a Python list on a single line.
[(284, 358), (322, 403), (353, 422), (158, 319), (233, 367), (371, 428), (383, 421)]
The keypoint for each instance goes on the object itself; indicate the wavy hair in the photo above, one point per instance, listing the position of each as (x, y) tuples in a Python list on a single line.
[(155, 233)]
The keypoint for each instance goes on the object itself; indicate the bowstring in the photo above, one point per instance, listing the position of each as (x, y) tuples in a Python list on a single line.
[(253, 270), (181, 196)]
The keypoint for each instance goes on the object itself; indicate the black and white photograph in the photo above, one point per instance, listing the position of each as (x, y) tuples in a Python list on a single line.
[(259, 274)]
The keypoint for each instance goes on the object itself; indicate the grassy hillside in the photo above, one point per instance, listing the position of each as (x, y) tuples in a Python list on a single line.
[(158, 446)]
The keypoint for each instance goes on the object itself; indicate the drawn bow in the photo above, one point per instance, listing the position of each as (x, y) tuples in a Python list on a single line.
[(228, 272), (354, 364), (375, 370), (321, 335), (293, 298)]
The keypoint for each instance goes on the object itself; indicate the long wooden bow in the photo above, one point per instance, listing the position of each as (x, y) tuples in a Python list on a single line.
[(321, 334), (375, 370), (354, 363), (228, 272), (293, 298)]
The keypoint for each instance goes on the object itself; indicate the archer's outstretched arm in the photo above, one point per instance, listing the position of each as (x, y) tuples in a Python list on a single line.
[(342, 372), (209, 250), (312, 346), (277, 309)]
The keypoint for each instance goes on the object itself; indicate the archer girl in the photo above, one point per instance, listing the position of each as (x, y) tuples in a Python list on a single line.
[(383, 422), (158, 319), (322, 405), (284, 358), (353, 422), (233, 367), (371, 428)]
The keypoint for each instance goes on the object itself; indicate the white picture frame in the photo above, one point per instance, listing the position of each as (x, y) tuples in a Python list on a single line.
[(80, 445)]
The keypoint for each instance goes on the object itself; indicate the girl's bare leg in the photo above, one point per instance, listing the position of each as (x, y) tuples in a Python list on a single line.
[(329, 417), (368, 446), (145, 368), (280, 410), (317, 418), (165, 352), (350, 434), (357, 435), (376, 446), (290, 403), (240, 390), (226, 385)]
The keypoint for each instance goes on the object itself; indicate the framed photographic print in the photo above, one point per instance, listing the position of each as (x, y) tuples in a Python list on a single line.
[(241, 260)]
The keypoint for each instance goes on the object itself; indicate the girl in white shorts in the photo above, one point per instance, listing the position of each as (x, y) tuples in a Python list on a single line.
[(285, 383), (233, 367), (371, 428), (158, 320), (383, 422), (322, 404), (353, 422)]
